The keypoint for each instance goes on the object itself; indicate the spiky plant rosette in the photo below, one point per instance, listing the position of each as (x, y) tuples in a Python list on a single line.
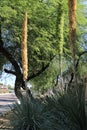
[(68, 110), (58, 112), (27, 115)]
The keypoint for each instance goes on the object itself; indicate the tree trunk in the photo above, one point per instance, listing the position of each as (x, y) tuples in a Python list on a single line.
[(17, 88), (20, 83)]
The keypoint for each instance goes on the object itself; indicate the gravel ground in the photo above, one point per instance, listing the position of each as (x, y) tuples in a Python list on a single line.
[(4, 122), (6, 101)]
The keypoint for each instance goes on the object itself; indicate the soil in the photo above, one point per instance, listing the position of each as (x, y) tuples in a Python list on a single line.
[(4, 122)]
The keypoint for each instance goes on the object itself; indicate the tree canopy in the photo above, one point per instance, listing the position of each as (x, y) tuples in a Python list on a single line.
[(43, 44)]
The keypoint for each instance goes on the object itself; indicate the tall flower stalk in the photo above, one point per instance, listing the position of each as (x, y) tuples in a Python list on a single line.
[(60, 36), (24, 48), (72, 5)]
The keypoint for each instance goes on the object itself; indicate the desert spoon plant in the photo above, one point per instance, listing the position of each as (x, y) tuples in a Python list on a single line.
[(24, 53), (24, 48)]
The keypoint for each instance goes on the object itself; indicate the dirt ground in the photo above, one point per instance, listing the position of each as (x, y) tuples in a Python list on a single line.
[(4, 122)]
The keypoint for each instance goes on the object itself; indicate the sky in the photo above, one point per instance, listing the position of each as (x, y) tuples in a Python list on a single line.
[(7, 79)]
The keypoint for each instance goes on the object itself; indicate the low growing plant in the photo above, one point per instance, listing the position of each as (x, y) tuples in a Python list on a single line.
[(58, 112)]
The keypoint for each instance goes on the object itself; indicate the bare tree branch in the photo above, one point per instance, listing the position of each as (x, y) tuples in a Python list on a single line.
[(40, 71), (8, 55), (10, 58), (77, 64), (10, 72), (82, 53)]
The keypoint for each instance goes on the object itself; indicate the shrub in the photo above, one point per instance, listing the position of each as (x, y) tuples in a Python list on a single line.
[(68, 110), (27, 115), (58, 112)]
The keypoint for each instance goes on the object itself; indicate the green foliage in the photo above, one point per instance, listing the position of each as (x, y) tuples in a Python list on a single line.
[(82, 66), (68, 110), (1, 83), (2, 61), (59, 28), (26, 115), (10, 87), (45, 17), (59, 112), (40, 29), (46, 79)]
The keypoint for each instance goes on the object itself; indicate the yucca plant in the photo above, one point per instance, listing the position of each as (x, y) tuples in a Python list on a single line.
[(60, 36), (27, 114), (67, 111), (58, 112), (24, 48), (72, 7)]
